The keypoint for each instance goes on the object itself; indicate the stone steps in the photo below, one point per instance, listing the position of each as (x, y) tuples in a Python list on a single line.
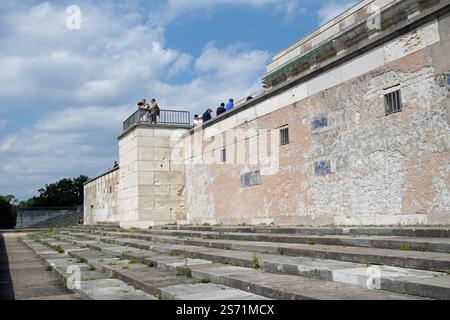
[(121, 279), (399, 280), (161, 283), (433, 232), (277, 286), (432, 261), (421, 232), (382, 242), (93, 285)]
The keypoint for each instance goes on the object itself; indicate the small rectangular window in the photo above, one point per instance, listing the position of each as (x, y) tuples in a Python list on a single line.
[(284, 136), (223, 155), (393, 102)]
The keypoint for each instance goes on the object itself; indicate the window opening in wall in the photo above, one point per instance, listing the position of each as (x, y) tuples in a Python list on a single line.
[(393, 102), (223, 155), (284, 136)]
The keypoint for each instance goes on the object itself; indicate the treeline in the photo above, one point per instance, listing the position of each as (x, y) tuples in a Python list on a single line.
[(8, 211), (63, 193)]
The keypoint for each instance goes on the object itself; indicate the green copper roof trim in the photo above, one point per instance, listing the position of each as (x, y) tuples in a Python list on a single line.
[(305, 57)]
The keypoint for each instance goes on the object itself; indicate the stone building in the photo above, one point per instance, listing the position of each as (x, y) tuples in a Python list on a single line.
[(352, 127), (100, 198)]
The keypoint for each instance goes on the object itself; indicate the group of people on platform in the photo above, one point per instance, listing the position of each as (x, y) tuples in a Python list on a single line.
[(208, 115), (153, 110)]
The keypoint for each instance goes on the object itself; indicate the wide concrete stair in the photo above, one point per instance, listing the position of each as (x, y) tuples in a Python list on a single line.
[(92, 285), (288, 263), (109, 272), (169, 276)]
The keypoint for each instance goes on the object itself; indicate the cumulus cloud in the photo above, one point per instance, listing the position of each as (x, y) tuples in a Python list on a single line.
[(84, 83), (75, 87)]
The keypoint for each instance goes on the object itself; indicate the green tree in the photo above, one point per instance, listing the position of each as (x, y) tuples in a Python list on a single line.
[(63, 193), (7, 211)]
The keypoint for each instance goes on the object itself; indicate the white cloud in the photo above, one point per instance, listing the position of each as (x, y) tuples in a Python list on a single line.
[(86, 82), (332, 9), (181, 64)]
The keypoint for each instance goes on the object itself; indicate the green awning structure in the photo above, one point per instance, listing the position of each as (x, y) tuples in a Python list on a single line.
[(300, 60)]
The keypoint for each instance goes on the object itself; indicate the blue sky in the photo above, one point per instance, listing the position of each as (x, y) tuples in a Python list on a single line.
[(64, 93)]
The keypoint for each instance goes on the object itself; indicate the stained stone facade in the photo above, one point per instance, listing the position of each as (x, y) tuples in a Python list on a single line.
[(100, 198), (353, 128)]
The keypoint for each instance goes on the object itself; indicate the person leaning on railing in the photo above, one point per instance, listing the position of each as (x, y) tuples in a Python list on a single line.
[(143, 105)]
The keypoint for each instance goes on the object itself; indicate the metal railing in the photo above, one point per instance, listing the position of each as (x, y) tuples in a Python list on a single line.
[(167, 117)]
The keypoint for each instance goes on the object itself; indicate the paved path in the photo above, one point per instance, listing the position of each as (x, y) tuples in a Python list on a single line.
[(23, 275)]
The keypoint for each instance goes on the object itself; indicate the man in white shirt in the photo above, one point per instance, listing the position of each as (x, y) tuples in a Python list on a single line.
[(197, 121)]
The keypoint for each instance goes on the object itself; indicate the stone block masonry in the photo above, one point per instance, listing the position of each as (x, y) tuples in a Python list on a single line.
[(101, 198), (152, 178)]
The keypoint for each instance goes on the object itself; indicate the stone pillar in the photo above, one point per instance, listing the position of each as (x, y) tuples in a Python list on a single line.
[(152, 178)]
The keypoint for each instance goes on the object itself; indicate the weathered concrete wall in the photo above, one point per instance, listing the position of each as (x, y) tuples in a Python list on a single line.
[(100, 198), (28, 218), (376, 169), (152, 177)]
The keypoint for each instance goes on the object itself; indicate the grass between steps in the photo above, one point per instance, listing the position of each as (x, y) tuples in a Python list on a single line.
[(255, 262), (405, 247), (204, 280)]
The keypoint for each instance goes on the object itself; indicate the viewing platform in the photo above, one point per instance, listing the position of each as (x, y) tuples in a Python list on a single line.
[(166, 118)]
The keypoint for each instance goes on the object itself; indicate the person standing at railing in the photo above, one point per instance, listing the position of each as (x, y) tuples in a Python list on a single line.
[(221, 109), (154, 111), (207, 115), (197, 121), (230, 105), (143, 105)]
